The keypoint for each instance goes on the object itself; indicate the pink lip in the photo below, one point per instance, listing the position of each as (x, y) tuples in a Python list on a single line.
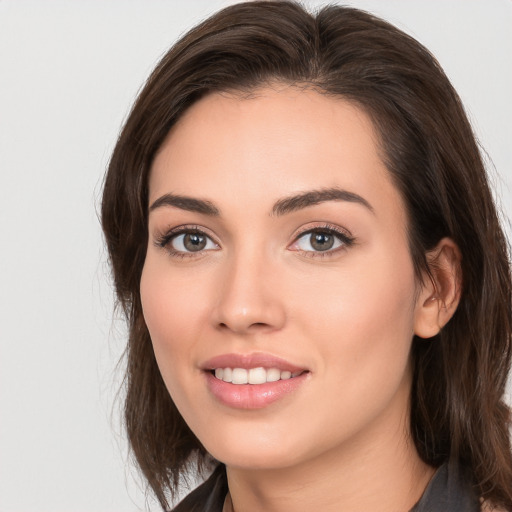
[(251, 396), (256, 360)]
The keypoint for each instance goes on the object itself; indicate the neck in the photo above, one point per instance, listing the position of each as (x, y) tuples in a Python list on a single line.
[(330, 486), (378, 470)]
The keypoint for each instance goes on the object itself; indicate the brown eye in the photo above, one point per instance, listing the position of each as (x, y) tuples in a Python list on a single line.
[(191, 241), (194, 242), (321, 241)]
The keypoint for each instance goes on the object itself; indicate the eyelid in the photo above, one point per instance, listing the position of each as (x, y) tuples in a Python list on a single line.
[(163, 239), (346, 238)]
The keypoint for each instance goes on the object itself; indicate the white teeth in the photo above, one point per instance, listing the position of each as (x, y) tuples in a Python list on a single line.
[(258, 375), (227, 374), (273, 375), (239, 376)]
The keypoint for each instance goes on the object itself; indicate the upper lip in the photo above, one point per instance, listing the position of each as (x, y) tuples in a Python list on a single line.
[(248, 361)]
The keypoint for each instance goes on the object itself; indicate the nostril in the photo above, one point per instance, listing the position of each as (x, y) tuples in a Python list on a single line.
[(252, 326)]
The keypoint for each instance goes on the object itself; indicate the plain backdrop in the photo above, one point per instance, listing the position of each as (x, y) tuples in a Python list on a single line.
[(69, 72)]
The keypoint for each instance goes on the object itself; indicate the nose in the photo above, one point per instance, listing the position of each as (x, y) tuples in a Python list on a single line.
[(249, 298)]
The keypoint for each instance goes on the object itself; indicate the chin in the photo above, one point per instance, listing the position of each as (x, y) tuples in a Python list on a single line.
[(252, 452), (255, 460)]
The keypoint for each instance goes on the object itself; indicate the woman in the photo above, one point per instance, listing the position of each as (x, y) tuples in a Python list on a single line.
[(317, 286)]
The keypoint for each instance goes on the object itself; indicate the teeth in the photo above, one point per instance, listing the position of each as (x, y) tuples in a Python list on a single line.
[(239, 376), (257, 376), (273, 375), (254, 375)]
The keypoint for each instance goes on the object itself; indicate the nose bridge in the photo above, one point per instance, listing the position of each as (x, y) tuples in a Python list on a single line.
[(248, 299)]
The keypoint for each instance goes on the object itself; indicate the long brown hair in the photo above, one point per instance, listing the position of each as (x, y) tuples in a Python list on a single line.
[(427, 144)]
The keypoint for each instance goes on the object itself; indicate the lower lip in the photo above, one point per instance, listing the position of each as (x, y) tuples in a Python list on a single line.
[(252, 396)]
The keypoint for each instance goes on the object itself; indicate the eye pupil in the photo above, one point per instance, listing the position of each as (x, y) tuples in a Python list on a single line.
[(194, 242), (322, 241)]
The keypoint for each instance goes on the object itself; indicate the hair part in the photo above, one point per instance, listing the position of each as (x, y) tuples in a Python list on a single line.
[(427, 144)]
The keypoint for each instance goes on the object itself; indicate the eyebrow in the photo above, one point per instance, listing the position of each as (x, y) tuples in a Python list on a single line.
[(281, 207), (186, 203), (313, 197)]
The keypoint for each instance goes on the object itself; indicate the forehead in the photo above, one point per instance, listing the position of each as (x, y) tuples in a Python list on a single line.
[(277, 141)]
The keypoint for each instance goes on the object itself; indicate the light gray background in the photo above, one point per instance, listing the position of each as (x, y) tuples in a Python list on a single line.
[(68, 74)]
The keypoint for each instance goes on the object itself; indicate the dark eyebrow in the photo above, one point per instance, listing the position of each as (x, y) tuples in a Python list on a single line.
[(186, 203), (281, 207), (313, 197)]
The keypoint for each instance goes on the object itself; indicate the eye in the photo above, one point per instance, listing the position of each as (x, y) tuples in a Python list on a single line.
[(321, 240), (186, 242), (318, 241)]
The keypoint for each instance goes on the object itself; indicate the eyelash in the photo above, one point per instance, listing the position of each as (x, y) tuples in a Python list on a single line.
[(343, 237), (164, 241)]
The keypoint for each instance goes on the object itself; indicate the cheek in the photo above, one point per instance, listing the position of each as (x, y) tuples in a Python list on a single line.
[(372, 295), (173, 315), (365, 324), (174, 318)]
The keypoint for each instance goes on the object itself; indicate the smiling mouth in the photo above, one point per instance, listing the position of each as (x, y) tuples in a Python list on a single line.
[(253, 381), (258, 375)]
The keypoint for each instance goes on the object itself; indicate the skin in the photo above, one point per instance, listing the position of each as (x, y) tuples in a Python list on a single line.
[(341, 440)]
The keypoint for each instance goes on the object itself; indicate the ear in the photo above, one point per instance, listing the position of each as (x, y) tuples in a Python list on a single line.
[(440, 291)]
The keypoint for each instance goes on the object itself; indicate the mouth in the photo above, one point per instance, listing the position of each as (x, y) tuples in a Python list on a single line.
[(254, 376), (253, 381)]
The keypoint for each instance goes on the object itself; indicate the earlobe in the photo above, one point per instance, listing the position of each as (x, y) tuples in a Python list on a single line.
[(441, 289)]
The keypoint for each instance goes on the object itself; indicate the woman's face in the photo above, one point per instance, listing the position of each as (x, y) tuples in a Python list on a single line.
[(278, 245)]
